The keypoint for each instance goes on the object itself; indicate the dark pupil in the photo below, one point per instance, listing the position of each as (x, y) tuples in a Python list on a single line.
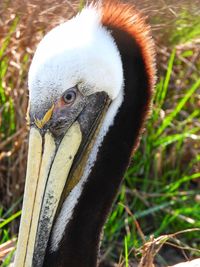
[(69, 97)]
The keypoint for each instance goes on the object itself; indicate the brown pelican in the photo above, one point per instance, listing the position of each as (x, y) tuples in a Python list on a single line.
[(90, 88)]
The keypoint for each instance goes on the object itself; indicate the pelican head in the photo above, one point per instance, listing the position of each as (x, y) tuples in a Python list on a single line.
[(80, 83)]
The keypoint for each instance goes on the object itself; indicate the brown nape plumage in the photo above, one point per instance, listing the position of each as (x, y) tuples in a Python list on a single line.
[(124, 19)]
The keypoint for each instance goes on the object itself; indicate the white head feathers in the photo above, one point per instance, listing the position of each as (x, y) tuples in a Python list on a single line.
[(79, 51)]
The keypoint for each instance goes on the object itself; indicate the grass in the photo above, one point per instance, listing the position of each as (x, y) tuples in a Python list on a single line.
[(160, 190), (160, 195), (186, 29), (7, 125)]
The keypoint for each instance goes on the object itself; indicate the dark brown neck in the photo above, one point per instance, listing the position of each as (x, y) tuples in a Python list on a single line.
[(80, 244)]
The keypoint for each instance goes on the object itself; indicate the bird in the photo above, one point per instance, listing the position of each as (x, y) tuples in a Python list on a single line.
[(90, 84)]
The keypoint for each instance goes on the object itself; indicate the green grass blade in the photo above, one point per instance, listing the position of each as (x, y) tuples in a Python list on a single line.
[(167, 78), (10, 219), (154, 209), (167, 140), (7, 39), (7, 262), (168, 119), (126, 251), (11, 209), (175, 185)]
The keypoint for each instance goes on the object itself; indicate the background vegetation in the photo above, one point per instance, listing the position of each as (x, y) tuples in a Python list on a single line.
[(160, 196)]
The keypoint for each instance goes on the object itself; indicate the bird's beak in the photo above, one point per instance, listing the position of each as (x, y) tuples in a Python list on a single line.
[(55, 165)]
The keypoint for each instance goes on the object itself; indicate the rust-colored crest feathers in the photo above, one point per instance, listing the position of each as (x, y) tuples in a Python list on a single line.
[(125, 17)]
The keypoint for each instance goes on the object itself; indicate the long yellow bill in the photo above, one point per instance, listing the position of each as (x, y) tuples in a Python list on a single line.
[(48, 168)]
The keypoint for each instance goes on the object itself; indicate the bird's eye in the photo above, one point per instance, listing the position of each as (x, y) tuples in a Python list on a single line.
[(69, 97)]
